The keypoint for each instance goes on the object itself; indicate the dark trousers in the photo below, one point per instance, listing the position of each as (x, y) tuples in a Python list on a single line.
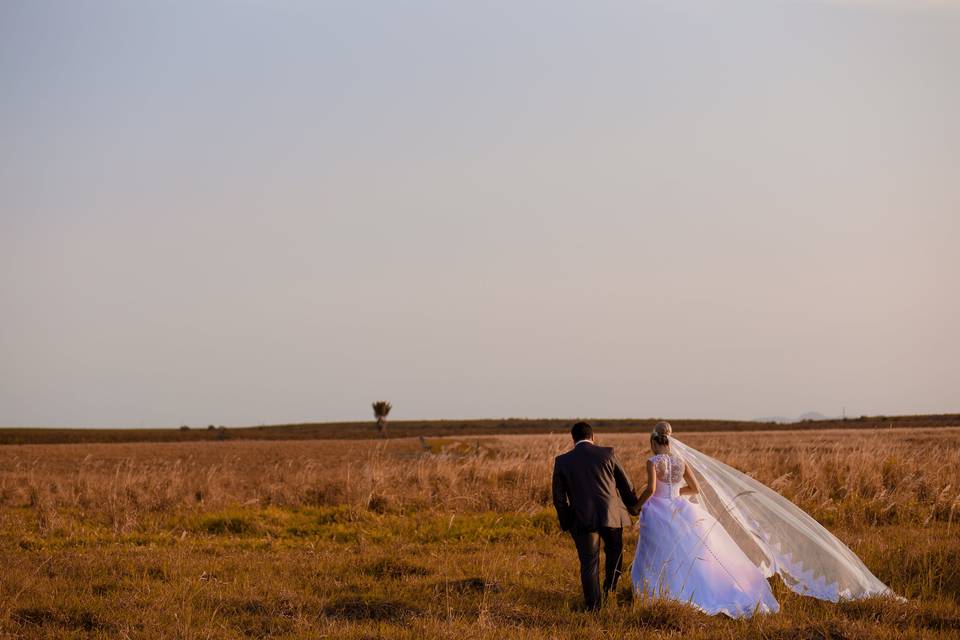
[(588, 548)]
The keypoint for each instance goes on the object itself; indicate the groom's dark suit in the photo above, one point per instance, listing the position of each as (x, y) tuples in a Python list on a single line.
[(594, 499)]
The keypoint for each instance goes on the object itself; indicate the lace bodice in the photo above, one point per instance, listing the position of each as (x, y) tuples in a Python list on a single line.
[(669, 467)]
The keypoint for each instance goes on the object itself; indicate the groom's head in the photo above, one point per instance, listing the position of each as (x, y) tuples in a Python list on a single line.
[(581, 431)]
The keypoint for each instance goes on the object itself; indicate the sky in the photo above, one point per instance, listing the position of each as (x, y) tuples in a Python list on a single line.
[(252, 212)]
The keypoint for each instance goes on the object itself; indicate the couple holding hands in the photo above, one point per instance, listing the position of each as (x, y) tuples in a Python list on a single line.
[(710, 536)]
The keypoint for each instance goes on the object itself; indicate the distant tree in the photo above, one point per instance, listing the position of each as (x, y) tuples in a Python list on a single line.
[(184, 427), (381, 409)]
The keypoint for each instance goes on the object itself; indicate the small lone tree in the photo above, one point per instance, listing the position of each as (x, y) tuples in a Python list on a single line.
[(381, 409)]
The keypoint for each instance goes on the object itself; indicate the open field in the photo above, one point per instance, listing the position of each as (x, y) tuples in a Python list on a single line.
[(367, 539), (447, 428)]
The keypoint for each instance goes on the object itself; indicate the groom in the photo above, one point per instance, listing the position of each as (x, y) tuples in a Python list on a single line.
[(594, 499)]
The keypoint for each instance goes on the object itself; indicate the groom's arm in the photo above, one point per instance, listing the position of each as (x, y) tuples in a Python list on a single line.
[(561, 499), (625, 488)]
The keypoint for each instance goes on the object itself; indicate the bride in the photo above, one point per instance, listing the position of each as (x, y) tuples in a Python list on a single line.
[(716, 549)]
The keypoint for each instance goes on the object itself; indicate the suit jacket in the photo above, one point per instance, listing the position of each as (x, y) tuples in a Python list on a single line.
[(591, 489)]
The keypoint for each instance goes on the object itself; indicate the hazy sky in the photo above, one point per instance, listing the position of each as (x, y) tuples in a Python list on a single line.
[(244, 212)]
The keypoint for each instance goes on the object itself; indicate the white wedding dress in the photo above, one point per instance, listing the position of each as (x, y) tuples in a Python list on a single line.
[(684, 554), (716, 550)]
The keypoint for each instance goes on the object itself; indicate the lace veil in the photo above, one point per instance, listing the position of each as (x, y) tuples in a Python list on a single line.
[(777, 535)]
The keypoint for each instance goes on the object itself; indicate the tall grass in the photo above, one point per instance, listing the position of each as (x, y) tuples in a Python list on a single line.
[(848, 478)]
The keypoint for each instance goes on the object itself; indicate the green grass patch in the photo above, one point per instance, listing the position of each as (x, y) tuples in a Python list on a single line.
[(232, 523), (348, 524)]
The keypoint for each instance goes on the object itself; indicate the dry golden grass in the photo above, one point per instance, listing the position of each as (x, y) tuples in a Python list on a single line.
[(363, 539)]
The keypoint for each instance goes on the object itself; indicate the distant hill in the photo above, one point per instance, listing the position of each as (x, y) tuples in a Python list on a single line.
[(439, 428), (810, 416)]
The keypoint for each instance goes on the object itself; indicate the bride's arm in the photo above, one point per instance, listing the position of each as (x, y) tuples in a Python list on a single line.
[(693, 487), (651, 484)]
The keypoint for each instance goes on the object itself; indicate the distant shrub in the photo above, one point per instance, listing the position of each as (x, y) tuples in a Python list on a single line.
[(184, 427), (381, 409)]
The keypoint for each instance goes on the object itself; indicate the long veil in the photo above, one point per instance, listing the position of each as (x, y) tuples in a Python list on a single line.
[(777, 535)]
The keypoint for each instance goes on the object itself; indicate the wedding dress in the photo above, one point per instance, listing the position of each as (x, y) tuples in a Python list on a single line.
[(684, 554), (716, 550)]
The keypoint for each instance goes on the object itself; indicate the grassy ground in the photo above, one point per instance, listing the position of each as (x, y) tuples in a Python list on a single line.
[(355, 539)]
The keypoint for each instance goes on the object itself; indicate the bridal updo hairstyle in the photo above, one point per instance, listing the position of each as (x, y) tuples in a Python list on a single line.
[(660, 437)]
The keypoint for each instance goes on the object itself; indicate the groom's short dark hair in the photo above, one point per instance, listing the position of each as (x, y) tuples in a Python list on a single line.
[(581, 431)]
